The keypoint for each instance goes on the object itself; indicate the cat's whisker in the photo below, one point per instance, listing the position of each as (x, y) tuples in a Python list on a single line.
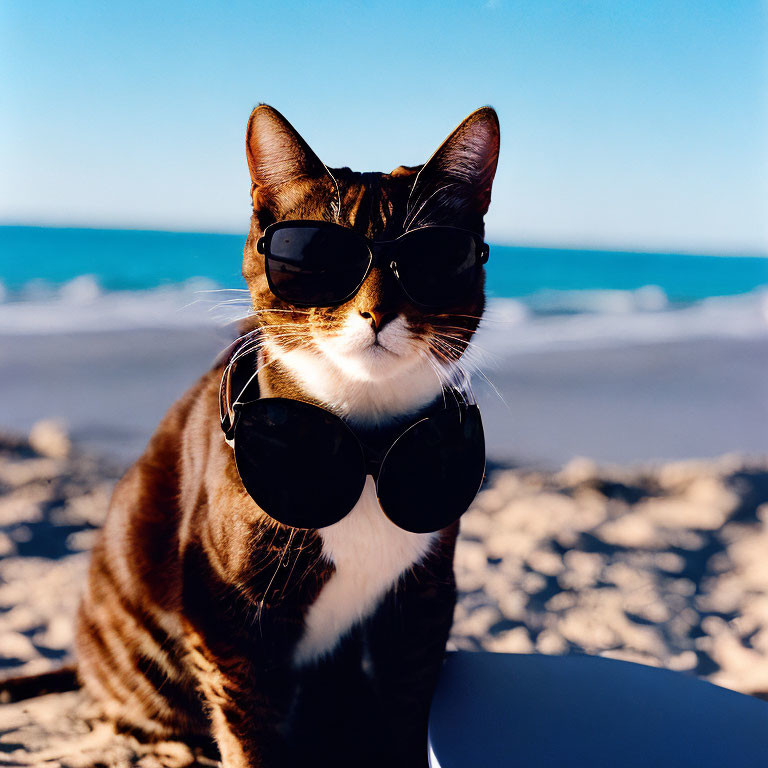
[(473, 366), (225, 315), (267, 329), (470, 331), (478, 360), (240, 299), (462, 353), (283, 552), (455, 341), (248, 346), (456, 314), (448, 353), (276, 529), (298, 550), (483, 357), (442, 376), (494, 388), (244, 337), (442, 380), (471, 347), (270, 310), (489, 317), (189, 304), (440, 353), (222, 290), (289, 331), (227, 320), (448, 347), (243, 301)]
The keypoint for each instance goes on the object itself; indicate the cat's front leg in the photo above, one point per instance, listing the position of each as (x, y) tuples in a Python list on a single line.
[(244, 709), (236, 658), (406, 640)]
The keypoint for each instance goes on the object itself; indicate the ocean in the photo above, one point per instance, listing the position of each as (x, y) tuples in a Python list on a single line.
[(55, 280), (621, 357)]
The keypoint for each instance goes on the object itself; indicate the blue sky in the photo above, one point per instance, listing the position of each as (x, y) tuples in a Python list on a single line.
[(637, 125)]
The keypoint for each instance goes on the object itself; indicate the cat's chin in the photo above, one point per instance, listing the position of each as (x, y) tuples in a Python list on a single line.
[(373, 363), (365, 386)]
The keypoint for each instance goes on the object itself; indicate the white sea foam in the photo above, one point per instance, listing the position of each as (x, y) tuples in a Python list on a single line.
[(649, 298), (548, 320), (81, 305), (608, 322)]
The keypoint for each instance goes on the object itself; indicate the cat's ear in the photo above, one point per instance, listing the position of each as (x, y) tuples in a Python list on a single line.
[(282, 165), (457, 179)]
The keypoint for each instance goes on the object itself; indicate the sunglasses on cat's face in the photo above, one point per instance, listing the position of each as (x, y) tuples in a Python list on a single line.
[(321, 264)]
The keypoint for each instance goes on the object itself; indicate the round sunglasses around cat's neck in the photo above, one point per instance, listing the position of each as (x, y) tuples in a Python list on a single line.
[(306, 467), (322, 264)]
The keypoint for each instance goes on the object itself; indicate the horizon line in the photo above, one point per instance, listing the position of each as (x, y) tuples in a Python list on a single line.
[(530, 244)]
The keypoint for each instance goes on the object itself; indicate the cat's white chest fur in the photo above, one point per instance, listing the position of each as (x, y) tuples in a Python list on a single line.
[(370, 554)]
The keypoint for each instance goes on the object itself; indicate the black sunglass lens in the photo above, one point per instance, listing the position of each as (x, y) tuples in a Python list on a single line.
[(301, 464), (438, 266), (315, 265), (433, 471)]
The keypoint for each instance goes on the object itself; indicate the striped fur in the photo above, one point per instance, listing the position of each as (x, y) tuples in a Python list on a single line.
[(203, 618)]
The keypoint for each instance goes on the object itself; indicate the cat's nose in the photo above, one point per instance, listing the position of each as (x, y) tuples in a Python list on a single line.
[(378, 319)]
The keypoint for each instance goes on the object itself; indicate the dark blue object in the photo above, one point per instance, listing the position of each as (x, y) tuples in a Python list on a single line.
[(495, 709)]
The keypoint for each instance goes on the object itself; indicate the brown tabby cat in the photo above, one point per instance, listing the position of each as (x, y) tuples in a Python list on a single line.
[(204, 617)]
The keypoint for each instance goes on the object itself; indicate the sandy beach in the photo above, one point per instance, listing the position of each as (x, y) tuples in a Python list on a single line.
[(650, 550), (660, 563)]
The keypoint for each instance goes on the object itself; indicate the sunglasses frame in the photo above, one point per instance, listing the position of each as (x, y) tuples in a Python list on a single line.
[(376, 250), (368, 465), (239, 389)]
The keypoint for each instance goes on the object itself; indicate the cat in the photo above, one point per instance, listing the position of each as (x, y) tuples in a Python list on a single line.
[(203, 618)]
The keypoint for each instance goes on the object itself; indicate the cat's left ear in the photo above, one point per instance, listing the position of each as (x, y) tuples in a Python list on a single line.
[(457, 179), (284, 169)]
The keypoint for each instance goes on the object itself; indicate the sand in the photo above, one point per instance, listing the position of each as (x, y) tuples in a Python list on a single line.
[(662, 564)]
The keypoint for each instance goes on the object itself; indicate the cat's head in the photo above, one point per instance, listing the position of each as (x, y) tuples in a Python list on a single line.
[(378, 334)]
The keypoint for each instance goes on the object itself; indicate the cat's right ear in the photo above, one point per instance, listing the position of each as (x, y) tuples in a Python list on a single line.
[(457, 179), (282, 165)]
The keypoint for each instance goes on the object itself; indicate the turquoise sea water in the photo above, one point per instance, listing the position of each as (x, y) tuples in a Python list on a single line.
[(75, 280), (135, 260)]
